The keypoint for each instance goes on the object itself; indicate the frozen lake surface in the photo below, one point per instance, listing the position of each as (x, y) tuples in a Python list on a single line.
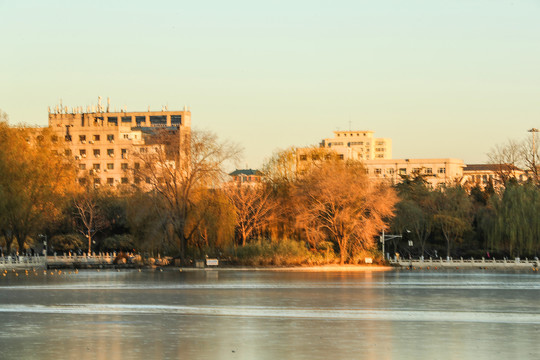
[(270, 315)]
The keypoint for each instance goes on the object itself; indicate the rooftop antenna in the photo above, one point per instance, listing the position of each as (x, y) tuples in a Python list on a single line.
[(99, 103), (108, 104)]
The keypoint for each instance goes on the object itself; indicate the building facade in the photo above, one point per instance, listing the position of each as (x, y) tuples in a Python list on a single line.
[(376, 155), (435, 171), (359, 145), (106, 145)]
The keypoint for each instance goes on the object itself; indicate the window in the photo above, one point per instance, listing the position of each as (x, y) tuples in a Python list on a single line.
[(158, 120), (378, 171), (341, 156), (379, 156), (124, 180), (379, 149), (441, 170), (402, 171), (124, 166), (82, 138), (112, 120), (126, 119), (137, 180), (110, 152), (176, 119), (54, 138), (110, 181), (416, 170), (67, 152), (137, 166), (110, 166), (390, 171), (110, 137), (82, 181), (124, 153), (82, 152), (428, 170), (97, 153), (96, 166), (97, 181), (96, 138), (140, 120), (82, 166), (126, 136)]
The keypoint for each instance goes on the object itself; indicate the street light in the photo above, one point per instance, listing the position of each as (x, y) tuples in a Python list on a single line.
[(533, 131), (383, 238)]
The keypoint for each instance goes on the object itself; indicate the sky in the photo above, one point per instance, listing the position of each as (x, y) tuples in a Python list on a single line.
[(440, 78)]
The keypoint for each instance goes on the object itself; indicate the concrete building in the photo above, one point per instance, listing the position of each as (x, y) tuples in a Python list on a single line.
[(496, 174), (435, 171), (105, 144), (376, 155), (359, 145)]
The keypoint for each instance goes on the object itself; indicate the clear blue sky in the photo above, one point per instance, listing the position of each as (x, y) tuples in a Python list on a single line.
[(441, 78)]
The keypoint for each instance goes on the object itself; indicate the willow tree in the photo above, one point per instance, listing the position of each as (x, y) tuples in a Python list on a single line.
[(516, 226), (342, 202)]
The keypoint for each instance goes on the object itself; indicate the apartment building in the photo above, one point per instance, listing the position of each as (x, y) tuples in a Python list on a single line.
[(106, 144), (359, 145)]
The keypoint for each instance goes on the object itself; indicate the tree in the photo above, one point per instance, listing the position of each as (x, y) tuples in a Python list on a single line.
[(252, 206), (515, 220), (506, 158), (350, 209), (452, 214), (179, 173), (415, 210), (89, 215), (34, 181)]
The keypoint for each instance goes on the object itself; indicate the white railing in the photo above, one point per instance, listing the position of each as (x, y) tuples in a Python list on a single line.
[(492, 262), (21, 261)]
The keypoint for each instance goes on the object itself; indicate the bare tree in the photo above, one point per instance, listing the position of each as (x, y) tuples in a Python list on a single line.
[(506, 158), (88, 212), (340, 199), (179, 171), (252, 206)]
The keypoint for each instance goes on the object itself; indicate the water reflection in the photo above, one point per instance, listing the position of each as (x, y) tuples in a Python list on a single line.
[(269, 315)]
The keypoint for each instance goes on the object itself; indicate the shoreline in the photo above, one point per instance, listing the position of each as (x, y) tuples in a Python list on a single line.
[(322, 268)]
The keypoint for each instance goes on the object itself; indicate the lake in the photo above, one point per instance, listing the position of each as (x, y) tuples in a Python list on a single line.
[(223, 314)]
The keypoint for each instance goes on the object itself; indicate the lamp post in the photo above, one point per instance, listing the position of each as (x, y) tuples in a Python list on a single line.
[(533, 131), (383, 238)]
